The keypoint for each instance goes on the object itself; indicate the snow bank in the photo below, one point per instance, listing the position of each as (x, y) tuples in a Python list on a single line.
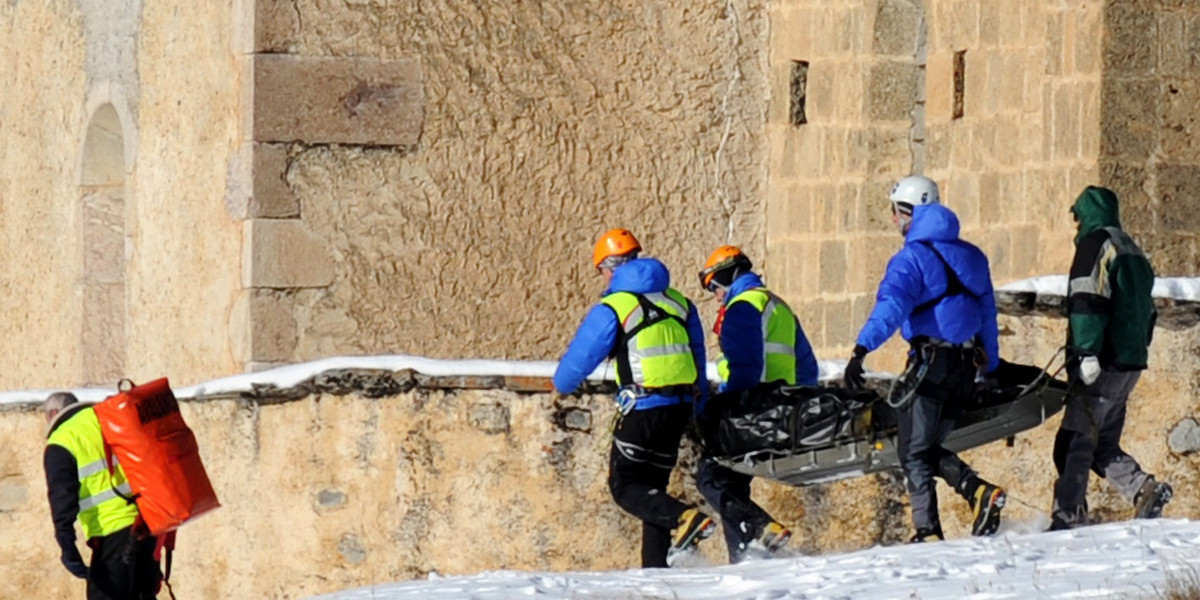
[(1117, 560)]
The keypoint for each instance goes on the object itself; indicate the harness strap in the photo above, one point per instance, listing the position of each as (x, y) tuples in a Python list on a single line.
[(651, 314)]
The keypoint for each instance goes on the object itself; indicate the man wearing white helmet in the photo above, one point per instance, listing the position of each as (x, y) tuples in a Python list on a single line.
[(938, 291)]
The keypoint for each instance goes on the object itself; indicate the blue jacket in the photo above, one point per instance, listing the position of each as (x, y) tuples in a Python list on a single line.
[(916, 275), (742, 341), (597, 335)]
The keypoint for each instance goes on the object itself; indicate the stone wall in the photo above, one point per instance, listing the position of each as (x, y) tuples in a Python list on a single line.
[(1149, 113), (359, 482), (543, 125), (1010, 144)]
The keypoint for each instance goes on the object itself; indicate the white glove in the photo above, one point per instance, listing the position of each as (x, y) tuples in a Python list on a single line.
[(1089, 370)]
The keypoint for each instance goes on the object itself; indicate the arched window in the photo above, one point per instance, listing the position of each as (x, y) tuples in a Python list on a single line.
[(102, 218)]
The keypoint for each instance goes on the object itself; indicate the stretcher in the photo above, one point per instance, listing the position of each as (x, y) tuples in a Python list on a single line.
[(806, 436)]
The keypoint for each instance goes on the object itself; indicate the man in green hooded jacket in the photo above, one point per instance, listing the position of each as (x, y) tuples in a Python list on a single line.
[(1110, 323)]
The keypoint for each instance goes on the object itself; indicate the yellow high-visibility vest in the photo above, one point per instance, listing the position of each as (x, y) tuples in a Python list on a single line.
[(102, 509), (654, 350), (779, 336)]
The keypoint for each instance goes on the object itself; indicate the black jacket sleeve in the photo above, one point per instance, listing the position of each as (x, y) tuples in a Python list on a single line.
[(62, 484)]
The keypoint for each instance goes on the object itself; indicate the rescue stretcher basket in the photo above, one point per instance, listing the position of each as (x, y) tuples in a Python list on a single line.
[(804, 436)]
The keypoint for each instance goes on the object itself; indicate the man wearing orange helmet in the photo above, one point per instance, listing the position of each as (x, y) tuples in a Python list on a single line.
[(761, 342), (654, 334)]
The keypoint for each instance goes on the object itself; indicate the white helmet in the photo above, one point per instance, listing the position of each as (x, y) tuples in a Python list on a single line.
[(915, 190)]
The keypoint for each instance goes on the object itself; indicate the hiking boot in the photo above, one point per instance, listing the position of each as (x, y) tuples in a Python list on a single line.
[(693, 527), (774, 536), (927, 535), (1151, 499), (986, 503)]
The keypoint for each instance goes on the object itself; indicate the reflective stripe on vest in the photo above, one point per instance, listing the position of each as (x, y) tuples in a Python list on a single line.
[(779, 336), (658, 355), (102, 510)]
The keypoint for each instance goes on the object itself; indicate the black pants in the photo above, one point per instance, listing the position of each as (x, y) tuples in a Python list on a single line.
[(729, 493), (1090, 439), (123, 568), (925, 423), (645, 448)]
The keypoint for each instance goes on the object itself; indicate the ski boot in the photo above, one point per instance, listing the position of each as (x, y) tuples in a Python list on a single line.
[(1151, 499), (986, 502), (774, 537), (693, 527), (927, 534)]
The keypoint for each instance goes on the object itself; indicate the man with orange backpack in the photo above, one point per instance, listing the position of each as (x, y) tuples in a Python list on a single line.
[(85, 481)]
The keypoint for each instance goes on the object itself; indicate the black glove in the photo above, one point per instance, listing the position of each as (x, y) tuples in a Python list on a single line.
[(74, 562), (853, 376)]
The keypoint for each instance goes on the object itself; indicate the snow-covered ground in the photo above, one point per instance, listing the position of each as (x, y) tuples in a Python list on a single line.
[(1128, 560), (1178, 288)]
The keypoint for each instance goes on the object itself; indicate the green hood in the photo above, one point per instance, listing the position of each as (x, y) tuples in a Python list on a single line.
[(1096, 208)]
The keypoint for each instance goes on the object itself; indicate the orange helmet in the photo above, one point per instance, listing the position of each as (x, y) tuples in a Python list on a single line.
[(614, 243), (721, 259)]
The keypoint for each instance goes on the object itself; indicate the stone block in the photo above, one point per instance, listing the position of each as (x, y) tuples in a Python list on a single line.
[(891, 91), (989, 21), (1179, 114), (833, 267), (276, 26), (1089, 34), (997, 244), (939, 147), (961, 194), (1055, 48), (1009, 82), (325, 100), (840, 328), (991, 201), (964, 21), (897, 28), (1193, 43), (1027, 253), (1130, 41), (1178, 189), (283, 253), (272, 198), (1064, 119), (939, 87), (1129, 182), (1129, 108), (489, 417), (1173, 57), (273, 331), (1006, 138), (975, 83), (889, 151)]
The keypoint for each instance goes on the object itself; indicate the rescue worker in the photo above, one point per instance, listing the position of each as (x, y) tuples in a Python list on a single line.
[(84, 482), (654, 334), (1110, 321), (938, 289), (761, 343)]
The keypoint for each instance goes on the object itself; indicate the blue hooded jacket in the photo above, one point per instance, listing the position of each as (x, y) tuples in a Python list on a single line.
[(916, 275), (742, 341), (597, 335)]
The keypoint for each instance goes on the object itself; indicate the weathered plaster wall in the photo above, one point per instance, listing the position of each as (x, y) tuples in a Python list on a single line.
[(185, 268), (544, 125), (880, 105), (120, 248), (42, 53), (1150, 109)]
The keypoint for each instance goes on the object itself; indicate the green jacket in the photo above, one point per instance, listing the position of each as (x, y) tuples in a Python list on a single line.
[(1109, 309)]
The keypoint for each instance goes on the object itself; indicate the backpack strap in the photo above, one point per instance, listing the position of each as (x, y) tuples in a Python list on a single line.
[(954, 285)]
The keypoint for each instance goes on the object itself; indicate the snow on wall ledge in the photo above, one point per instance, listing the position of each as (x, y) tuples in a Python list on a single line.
[(1177, 299)]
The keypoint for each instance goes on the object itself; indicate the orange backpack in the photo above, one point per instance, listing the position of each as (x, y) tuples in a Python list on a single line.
[(158, 452)]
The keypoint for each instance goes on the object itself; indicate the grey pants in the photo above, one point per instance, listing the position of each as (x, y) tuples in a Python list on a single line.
[(923, 428), (1090, 440)]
